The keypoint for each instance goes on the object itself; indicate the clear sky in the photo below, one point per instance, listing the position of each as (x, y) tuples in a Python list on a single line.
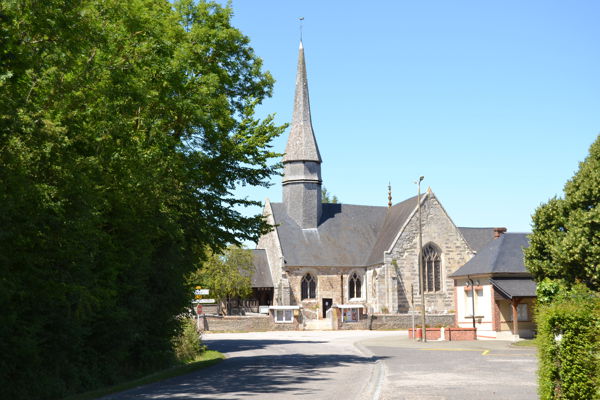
[(494, 102)]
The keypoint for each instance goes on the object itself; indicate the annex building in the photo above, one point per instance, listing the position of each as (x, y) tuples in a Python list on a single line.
[(363, 259)]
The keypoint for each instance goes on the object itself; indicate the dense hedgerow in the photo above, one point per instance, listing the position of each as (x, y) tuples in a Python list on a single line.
[(569, 346)]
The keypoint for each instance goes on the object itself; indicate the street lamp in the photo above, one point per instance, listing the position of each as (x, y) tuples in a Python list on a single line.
[(419, 263)]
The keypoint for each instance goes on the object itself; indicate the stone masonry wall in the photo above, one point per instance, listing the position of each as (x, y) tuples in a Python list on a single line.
[(248, 324), (438, 229), (332, 283), (266, 323), (404, 321)]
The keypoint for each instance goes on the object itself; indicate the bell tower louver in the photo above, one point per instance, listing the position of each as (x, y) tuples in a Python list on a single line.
[(302, 160)]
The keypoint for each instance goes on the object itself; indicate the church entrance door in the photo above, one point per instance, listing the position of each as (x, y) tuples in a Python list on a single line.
[(327, 303)]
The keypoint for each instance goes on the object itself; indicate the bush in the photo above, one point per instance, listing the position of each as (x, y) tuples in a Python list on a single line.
[(188, 344), (569, 346)]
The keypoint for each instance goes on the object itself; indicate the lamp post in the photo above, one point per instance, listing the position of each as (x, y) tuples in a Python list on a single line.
[(420, 264)]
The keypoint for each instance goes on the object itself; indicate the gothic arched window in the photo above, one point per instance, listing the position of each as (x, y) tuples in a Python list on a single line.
[(432, 269), (308, 287), (374, 285), (354, 286)]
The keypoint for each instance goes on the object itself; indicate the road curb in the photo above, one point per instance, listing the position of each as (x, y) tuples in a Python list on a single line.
[(373, 389)]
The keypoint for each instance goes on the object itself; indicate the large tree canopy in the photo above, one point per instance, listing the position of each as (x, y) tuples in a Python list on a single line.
[(565, 243), (125, 126)]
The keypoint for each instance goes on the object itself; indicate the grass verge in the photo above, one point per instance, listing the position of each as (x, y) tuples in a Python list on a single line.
[(208, 358), (525, 343)]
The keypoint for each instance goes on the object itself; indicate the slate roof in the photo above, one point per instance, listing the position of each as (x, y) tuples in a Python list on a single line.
[(262, 273), (301, 145), (514, 287), (477, 237), (500, 256), (345, 236), (395, 218), (351, 235)]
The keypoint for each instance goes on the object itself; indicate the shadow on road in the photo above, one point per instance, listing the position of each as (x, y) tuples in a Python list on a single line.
[(230, 345), (239, 377)]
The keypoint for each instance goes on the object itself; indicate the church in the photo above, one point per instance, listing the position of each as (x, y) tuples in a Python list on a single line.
[(358, 259)]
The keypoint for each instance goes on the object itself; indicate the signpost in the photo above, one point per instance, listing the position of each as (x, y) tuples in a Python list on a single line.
[(198, 300), (203, 301), (198, 293)]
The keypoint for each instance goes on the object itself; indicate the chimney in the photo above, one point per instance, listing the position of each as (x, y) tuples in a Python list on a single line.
[(499, 232)]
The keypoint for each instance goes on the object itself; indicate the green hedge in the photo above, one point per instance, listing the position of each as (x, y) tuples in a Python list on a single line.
[(569, 347)]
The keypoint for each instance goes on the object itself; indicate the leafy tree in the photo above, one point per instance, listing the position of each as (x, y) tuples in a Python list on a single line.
[(565, 243), (228, 274), (125, 126), (327, 197)]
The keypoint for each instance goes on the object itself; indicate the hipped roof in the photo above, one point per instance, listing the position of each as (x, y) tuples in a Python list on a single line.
[(499, 256)]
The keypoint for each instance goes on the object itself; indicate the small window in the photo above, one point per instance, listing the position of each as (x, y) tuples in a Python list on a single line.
[(521, 313), (283, 316), (469, 303), (354, 287), (308, 287)]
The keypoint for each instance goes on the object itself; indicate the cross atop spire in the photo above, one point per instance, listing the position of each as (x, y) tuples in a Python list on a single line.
[(301, 145)]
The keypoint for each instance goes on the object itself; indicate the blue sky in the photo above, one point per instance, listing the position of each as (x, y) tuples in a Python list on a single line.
[(495, 103)]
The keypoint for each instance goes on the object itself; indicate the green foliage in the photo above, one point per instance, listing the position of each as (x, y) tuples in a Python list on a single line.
[(569, 345), (548, 290), (565, 243), (125, 126), (327, 197), (188, 345), (227, 274)]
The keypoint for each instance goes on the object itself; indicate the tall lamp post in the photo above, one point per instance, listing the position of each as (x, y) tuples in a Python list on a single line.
[(420, 264)]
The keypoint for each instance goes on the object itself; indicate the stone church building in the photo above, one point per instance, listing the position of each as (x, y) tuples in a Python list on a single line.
[(358, 258)]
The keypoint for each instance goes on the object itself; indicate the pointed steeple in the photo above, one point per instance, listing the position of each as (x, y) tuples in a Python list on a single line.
[(302, 145), (302, 160)]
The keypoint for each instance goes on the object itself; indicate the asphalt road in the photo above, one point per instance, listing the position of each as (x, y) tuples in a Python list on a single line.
[(347, 365), (278, 365), (469, 370)]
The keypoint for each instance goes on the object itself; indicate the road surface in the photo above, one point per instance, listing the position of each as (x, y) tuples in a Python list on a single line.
[(465, 370), (278, 365), (352, 365)]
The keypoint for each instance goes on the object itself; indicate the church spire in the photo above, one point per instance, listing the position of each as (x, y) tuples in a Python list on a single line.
[(302, 160), (302, 145)]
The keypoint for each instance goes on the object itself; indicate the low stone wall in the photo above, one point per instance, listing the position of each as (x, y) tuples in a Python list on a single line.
[(450, 334), (349, 326), (404, 321), (247, 324), (257, 323)]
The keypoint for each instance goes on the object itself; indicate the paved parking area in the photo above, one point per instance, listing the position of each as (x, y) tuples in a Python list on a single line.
[(454, 370)]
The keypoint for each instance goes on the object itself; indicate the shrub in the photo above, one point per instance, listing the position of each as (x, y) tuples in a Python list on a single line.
[(569, 346), (188, 344)]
